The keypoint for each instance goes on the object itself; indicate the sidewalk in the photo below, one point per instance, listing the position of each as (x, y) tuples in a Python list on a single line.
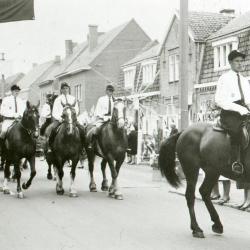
[(236, 195)]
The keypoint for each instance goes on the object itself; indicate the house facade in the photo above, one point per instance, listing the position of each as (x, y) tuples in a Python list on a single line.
[(90, 66), (235, 35), (201, 25)]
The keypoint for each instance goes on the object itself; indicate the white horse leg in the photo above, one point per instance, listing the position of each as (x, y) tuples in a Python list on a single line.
[(6, 189), (72, 190)]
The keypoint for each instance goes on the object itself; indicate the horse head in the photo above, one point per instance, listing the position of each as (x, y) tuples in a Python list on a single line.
[(69, 117), (119, 113), (30, 120)]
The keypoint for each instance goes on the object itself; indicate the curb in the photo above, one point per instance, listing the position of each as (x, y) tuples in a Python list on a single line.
[(230, 205)]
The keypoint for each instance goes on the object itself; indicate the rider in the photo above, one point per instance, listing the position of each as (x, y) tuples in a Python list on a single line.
[(233, 97), (57, 111), (103, 112), (12, 109), (46, 114)]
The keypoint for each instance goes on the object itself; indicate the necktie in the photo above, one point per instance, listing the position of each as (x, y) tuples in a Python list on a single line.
[(66, 99), (15, 104), (240, 88), (109, 111)]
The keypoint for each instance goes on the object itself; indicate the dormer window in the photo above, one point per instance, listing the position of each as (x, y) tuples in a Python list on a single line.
[(148, 71), (221, 50), (129, 77)]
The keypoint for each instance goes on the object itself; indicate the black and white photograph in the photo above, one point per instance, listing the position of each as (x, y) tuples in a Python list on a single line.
[(124, 125)]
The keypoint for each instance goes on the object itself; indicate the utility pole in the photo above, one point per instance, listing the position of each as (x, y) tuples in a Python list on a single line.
[(184, 51)]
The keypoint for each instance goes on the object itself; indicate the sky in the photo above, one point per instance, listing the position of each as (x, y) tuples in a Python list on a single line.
[(37, 41)]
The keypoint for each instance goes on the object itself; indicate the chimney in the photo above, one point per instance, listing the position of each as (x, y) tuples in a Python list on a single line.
[(228, 12), (68, 47), (92, 37), (34, 65), (57, 60)]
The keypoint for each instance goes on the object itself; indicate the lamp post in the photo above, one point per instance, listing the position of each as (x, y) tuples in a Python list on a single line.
[(184, 47)]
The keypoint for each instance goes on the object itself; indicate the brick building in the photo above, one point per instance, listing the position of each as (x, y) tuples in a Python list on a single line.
[(201, 26), (234, 35), (90, 66)]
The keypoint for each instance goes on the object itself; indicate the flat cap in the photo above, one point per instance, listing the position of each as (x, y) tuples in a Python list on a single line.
[(235, 53)]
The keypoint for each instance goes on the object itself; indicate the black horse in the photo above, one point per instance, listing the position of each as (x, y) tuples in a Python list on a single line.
[(111, 146), (20, 143), (67, 146), (199, 146)]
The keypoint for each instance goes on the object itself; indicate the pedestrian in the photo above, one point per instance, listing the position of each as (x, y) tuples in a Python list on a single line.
[(174, 130), (132, 144)]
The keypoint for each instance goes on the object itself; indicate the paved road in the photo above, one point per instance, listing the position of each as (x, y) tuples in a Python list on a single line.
[(148, 218)]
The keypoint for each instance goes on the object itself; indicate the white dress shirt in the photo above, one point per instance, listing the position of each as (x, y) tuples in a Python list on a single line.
[(46, 112), (8, 107), (228, 92), (58, 107), (102, 106)]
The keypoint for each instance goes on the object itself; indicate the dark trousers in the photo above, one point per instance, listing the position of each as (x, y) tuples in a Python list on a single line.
[(232, 122), (45, 125)]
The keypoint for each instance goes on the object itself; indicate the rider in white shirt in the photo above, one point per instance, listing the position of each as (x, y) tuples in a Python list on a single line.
[(103, 112), (57, 111), (46, 113), (233, 97), (12, 109)]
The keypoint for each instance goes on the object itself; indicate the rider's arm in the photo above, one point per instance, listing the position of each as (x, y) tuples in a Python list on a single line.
[(223, 100), (45, 112), (98, 109), (57, 109), (77, 108)]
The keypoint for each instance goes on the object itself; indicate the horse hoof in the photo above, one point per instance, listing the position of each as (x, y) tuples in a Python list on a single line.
[(198, 235), (112, 195), (49, 176), (20, 195), (92, 188), (60, 192), (6, 191), (73, 195), (217, 229), (24, 186), (105, 189), (118, 196)]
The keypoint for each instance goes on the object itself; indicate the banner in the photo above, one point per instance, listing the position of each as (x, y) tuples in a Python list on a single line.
[(16, 10)]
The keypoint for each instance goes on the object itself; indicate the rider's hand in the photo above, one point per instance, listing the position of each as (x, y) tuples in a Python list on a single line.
[(244, 111), (106, 118)]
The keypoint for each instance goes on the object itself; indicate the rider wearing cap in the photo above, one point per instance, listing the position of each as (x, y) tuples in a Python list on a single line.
[(46, 113), (103, 112), (233, 97), (12, 109), (57, 111)]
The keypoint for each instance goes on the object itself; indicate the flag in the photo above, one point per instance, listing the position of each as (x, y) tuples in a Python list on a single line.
[(16, 10)]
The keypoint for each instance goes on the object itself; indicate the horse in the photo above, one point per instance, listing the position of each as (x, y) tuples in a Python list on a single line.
[(66, 146), (20, 143), (200, 146), (112, 142)]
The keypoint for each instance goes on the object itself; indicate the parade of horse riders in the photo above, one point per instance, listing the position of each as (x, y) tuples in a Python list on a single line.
[(115, 140)]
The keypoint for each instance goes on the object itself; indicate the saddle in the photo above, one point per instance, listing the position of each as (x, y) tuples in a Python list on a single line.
[(244, 138)]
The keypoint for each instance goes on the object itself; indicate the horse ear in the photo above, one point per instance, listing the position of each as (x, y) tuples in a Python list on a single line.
[(28, 105)]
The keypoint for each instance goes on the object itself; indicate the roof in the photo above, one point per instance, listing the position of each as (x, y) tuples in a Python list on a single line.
[(12, 80), (201, 24), (33, 75), (237, 24), (82, 57), (151, 50), (50, 73)]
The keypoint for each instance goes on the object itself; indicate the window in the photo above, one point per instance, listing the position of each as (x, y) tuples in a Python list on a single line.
[(129, 77), (78, 92), (221, 50), (174, 68), (148, 72)]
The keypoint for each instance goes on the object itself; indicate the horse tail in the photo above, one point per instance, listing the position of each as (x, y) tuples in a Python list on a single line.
[(167, 160)]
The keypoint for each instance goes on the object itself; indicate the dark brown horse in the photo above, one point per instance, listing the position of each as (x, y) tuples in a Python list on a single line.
[(20, 143), (67, 146), (112, 140), (199, 146)]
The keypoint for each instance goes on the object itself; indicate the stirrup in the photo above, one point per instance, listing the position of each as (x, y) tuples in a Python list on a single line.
[(237, 167)]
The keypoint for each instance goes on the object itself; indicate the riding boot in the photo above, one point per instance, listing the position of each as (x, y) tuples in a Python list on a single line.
[(51, 139), (1, 145), (237, 166)]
